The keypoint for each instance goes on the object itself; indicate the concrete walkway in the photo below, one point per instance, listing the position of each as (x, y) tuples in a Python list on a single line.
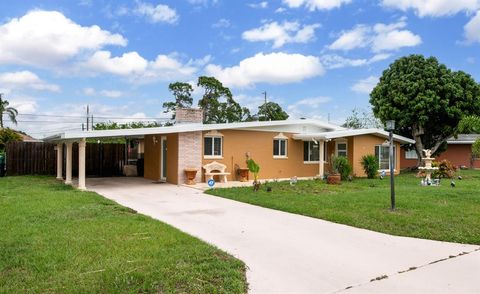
[(288, 253)]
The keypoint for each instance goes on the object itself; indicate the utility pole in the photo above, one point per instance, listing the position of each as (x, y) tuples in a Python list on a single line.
[(265, 104), (91, 122)]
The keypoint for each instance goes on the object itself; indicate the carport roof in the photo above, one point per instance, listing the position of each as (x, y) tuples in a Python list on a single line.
[(188, 127), (348, 133)]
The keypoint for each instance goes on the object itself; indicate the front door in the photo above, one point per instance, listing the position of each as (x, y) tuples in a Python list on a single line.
[(163, 159)]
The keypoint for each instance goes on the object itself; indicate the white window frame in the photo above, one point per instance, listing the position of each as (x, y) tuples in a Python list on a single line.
[(341, 142), (411, 154), (310, 143), (394, 157), (213, 137), (279, 156)]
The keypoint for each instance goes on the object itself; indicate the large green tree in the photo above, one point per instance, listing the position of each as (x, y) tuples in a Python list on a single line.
[(426, 99), (9, 111), (182, 93), (218, 104), (271, 111)]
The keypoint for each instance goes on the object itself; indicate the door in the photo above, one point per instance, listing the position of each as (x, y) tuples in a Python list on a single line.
[(163, 159)]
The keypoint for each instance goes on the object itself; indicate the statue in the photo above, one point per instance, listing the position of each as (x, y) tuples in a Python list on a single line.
[(427, 153)]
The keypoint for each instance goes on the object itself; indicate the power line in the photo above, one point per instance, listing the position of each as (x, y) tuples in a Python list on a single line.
[(97, 117)]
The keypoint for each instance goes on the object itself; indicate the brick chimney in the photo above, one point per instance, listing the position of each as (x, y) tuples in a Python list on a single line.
[(188, 115)]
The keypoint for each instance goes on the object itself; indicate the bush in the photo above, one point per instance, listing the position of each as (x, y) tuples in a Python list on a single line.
[(370, 165), (476, 148), (340, 165), (445, 169)]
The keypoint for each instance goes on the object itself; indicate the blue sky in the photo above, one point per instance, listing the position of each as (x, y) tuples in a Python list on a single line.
[(314, 57)]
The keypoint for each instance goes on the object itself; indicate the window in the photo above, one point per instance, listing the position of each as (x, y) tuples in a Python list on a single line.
[(212, 146), (279, 147), (311, 151), (341, 148), (382, 154), (411, 154)]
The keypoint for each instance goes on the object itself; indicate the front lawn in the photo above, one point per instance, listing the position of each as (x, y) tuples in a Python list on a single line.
[(55, 239), (438, 213)]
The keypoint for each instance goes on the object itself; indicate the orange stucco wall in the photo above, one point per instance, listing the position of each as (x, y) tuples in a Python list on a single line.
[(237, 143), (365, 145), (152, 157)]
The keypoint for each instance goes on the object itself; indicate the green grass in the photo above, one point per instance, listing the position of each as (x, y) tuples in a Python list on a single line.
[(438, 213), (55, 239)]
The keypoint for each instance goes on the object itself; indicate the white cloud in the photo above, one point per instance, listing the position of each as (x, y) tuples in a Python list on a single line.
[(221, 23), (313, 5), (273, 68), (365, 86), (46, 38), (125, 65), (169, 67), (380, 37), (355, 38), (157, 14), (26, 79), (281, 34), (106, 93), (263, 4), (24, 104), (331, 61), (308, 108), (472, 29), (434, 8)]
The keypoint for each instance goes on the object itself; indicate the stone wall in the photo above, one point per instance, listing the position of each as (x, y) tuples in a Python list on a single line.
[(189, 154)]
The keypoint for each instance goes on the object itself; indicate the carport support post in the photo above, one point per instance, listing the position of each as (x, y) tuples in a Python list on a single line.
[(68, 172), (321, 158), (81, 164), (60, 161)]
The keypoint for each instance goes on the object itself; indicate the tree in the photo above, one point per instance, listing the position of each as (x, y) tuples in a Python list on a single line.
[(470, 124), (6, 109), (218, 104), (364, 120), (182, 93), (8, 135), (426, 99), (271, 111)]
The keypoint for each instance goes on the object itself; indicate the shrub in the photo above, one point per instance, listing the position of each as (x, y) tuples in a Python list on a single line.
[(476, 148), (445, 169), (340, 165), (370, 165)]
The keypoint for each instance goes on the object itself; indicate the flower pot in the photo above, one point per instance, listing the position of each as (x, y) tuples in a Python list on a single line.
[(334, 179), (243, 174), (190, 173)]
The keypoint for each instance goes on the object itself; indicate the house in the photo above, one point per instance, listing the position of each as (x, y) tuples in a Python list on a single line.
[(459, 152), (283, 149)]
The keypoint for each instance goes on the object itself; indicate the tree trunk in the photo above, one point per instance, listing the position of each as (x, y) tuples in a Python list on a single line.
[(417, 132)]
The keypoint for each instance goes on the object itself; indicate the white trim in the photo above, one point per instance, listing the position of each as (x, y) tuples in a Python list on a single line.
[(349, 133), (212, 157), (163, 174), (206, 156), (311, 162), (280, 136), (280, 156), (341, 141)]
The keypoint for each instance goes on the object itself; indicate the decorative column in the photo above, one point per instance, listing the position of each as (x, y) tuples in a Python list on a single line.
[(321, 158), (68, 172), (60, 161), (81, 164)]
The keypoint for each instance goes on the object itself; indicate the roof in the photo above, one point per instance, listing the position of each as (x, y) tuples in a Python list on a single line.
[(191, 127), (463, 139), (351, 132)]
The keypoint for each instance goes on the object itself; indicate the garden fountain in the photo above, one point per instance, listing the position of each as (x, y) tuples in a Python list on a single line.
[(427, 168)]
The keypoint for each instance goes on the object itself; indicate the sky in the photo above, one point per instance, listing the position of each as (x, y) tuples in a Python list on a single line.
[(316, 58)]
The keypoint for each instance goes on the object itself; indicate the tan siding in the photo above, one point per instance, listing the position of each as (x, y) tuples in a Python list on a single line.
[(152, 158), (172, 158), (364, 145), (259, 144)]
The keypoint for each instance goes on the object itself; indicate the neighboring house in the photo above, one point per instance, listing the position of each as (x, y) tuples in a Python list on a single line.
[(459, 152), (283, 149)]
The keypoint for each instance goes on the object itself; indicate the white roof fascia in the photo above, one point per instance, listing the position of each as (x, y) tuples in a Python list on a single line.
[(181, 128), (349, 133)]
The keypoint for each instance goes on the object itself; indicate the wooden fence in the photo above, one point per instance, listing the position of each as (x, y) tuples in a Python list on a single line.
[(38, 158)]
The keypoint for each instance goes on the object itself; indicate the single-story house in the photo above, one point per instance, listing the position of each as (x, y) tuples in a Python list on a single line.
[(283, 149), (459, 152)]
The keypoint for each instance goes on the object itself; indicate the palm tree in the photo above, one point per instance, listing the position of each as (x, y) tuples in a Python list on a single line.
[(5, 109)]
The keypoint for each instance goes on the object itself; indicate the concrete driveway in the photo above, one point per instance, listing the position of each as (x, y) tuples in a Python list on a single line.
[(288, 253)]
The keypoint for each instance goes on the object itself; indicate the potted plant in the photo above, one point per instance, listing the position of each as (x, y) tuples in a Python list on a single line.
[(243, 174), (341, 169), (254, 168), (334, 176)]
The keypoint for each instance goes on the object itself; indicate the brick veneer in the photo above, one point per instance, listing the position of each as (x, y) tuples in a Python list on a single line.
[(188, 115), (189, 154)]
